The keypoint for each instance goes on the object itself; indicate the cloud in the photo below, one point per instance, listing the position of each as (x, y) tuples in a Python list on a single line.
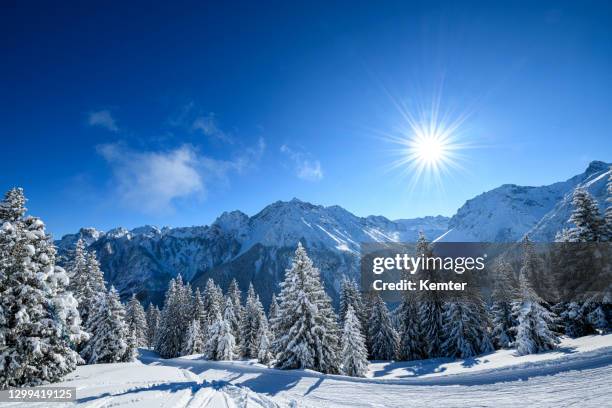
[(103, 118), (305, 168), (152, 181), (209, 127), (193, 119)]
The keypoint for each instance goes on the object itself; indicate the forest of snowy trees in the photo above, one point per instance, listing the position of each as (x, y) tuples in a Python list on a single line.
[(52, 319)]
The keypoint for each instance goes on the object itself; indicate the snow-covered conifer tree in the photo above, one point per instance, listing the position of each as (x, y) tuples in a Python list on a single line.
[(137, 322), (169, 336), (230, 317), (354, 355), (264, 352), (351, 295), (465, 327), (198, 308), (39, 321), (534, 330), (383, 336), (109, 342), (501, 310), (220, 343), (589, 225), (411, 345), (608, 214), (153, 317), (226, 343), (306, 323), (194, 340), (213, 298), (431, 306), (253, 313)]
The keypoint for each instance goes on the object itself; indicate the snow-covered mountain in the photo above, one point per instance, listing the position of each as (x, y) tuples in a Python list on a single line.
[(251, 249), (258, 249), (507, 213)]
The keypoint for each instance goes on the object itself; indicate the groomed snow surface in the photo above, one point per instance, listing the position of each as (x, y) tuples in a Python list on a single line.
[(578, 374)]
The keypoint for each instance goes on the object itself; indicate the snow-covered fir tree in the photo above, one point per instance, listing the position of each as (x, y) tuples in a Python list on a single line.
[(354, 355), (465, 325), (307, 332), (411, 345), (234, 293), (220, 343), (351, 295), (253, 314), (194, 340), (170, 333), (501, 309), (264, 352), (39, 321), (230, 317), (213, 301), (534, 331), (137, 322), (589, 225), (109, 342), (383, 336), (86, 278), (608, 213), (226, 343), (153, 317), (272, 313), (198, 309), (431, 305)]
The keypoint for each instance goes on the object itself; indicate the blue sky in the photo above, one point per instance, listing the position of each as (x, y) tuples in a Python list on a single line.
[(169, 115)]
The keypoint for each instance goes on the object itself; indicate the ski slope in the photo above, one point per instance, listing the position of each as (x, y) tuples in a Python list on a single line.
[(579, 373)]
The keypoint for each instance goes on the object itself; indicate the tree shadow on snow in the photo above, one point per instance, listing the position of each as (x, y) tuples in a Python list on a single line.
[(171, 387), (271, 384), (416, 368)]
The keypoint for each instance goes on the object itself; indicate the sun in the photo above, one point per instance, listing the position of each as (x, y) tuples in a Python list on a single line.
[(429, 146), (429, 149)]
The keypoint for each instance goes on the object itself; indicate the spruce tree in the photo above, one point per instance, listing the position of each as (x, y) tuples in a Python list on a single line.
[(351, 295), (273, 313), (608, 214), (169, 336), (501, 309), (234, 293), (264, 352), (382, 334), (253, 313), (431, 305), (153, 317), (465, 327), (411, 345), (198, 309), (226, 343), (194, 341), (39, 321), (213, 298), (137, 322), (534, 330), (354, 355), (589, 225), (306, 324), (109, 342), (230, 317)]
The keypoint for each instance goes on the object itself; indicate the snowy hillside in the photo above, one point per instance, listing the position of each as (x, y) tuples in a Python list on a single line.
[(579, 373), (251, 249), (508, 212)]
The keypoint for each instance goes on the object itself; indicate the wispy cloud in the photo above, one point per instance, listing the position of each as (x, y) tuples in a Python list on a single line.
[(193, 119), (305, 168), (151, 181), (103, 118), (209, 127)]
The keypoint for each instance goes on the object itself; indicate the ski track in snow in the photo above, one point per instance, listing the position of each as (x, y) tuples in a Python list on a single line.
[(579, 374)]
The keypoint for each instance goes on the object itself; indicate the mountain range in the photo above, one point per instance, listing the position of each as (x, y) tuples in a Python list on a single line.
[(258, 249)]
